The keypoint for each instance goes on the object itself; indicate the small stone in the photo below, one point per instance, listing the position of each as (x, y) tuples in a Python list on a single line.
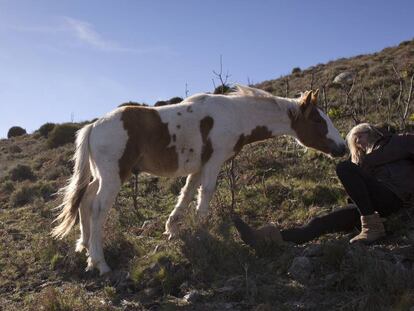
[(192, 296)]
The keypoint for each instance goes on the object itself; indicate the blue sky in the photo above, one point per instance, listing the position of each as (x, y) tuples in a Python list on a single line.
[(79, 59)]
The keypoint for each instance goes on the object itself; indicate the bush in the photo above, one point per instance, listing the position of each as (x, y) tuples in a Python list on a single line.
[(7, 187), (129, 104), (45, 129), (21, 172), (15, 149), (16, 131), (171, 101), (175, 100), (45, 190), (62, 134), (221, 89), (161, 103), (334, 113), (296, 70), (22, 196)]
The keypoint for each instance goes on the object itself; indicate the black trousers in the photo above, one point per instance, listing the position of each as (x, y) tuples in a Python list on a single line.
[(369, 196)]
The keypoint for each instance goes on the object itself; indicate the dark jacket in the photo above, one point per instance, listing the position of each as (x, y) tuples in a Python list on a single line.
[(392, 162)]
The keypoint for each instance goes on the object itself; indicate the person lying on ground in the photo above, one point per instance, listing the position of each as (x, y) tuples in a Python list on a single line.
[(379, 179)]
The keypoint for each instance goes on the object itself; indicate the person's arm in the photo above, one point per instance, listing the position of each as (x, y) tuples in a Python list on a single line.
[(398, 148)]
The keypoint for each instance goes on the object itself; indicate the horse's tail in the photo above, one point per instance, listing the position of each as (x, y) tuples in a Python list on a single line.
[(77, 184)]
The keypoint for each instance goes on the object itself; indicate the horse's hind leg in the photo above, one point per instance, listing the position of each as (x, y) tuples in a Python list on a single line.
[(84, 215), (108, 189), (186, 196)]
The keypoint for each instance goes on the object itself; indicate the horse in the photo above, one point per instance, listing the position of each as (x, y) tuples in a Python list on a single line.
[(193, 139)]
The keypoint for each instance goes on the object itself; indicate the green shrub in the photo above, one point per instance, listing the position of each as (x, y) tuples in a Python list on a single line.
[(62, 134), (21, 172), (16, 131), (296, 70), (46, 128), (22, 196), (55, 261), (334, 113)]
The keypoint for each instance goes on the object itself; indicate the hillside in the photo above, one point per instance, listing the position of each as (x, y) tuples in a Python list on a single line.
[(210, 268)]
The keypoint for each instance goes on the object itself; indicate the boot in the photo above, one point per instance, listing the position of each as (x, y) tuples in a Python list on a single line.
[(257, 238), (372, 229)]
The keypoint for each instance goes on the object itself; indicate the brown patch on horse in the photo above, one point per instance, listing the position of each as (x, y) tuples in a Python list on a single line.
[(147, 148), (206, 124), (257, 134), (310, 127)]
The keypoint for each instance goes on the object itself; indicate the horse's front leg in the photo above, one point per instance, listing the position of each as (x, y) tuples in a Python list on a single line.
[(208, 186), (172, 226)]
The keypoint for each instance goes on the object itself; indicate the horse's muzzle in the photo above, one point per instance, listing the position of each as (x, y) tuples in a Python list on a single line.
[(339, 151)]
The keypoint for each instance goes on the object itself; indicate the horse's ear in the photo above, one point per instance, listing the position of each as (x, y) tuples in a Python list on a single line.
[(315, 97), (306, 104)]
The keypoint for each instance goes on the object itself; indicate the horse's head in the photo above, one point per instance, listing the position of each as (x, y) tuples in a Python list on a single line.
[(314, 128)]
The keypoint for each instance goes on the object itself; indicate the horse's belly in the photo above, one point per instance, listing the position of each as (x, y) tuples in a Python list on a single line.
[(161, 166)]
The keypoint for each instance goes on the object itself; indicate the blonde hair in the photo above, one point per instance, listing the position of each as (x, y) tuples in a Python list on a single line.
[(357, 154)]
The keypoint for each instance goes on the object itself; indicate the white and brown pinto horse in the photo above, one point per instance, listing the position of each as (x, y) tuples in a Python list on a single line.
[(193, 139)]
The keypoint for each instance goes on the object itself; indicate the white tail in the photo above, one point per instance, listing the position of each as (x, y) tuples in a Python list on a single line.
[(74, 191)]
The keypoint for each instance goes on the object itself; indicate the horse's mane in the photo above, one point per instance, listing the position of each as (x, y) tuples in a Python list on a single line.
[(242, 90), (245, 91)]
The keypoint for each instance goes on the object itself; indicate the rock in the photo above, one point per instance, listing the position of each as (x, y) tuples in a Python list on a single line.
[(301, 269), (192, 296), (345, 77), (331, 279), (313, 250), (184, 286), (225, 289), (151, 292), (235, 281)]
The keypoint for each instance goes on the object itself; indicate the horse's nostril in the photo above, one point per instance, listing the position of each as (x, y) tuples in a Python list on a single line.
[(340, 151)]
